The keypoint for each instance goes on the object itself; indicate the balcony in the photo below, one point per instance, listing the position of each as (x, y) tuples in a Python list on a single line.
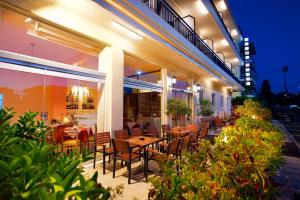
[(168, 14), (224, 25)]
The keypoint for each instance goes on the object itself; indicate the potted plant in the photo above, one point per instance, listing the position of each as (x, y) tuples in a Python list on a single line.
[(179, 111), (205, 109)]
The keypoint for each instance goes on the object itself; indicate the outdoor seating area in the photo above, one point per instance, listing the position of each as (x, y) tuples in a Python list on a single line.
[(122, 148)]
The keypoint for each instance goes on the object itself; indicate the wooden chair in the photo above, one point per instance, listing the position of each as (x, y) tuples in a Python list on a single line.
[(151, 131), (152, 154), (185, 144), (203, 132), (195, 140), (72, 143), (123, 152), (136, 132), (121, 135), (165, 128), (103, 141), (192, 127)]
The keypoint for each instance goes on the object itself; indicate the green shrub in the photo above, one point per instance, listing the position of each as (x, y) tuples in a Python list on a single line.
[(206, 109), (31, 169), (238, 166), (178, 109)]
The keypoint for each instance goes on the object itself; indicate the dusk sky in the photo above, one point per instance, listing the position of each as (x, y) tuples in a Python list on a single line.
[(274, 27)]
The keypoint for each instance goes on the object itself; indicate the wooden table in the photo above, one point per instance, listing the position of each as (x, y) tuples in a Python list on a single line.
[(177, 133), (143, 142)]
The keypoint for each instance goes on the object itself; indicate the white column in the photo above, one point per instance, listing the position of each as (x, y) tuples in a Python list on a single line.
[(164, 95), (111, 62)]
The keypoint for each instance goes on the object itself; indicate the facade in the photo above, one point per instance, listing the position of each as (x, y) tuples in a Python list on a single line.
[(117, 63), (248, 72)]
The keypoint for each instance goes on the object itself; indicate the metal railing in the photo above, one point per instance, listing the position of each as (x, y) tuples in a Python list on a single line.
[(166, 12), (222, 21)]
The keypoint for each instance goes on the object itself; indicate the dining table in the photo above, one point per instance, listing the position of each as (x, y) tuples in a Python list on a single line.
[(177, 133), (143, 142)]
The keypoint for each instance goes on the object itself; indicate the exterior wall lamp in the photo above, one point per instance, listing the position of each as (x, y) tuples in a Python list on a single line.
[(173, 80), (198, 88)]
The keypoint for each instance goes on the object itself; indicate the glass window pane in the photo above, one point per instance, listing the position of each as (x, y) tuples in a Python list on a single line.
[(23, 35)]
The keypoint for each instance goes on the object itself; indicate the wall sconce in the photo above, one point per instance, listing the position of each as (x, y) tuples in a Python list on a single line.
[(173, 80), (198, 87)]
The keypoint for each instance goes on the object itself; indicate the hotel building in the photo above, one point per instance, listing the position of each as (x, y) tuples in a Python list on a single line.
[(116, 62)]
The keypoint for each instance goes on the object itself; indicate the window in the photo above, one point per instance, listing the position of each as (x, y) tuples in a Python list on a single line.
[(221, 101), (247, 57), (248, 79), (247, 65), (248, 83), (247, 69), (247, 74), (246, 52), (246, 48), (246, 39), (246, 43), (1, 101), (228, 99), (213, 100), (20, 35)]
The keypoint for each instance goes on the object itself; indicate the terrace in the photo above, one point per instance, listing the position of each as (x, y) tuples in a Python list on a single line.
[(151, 159)]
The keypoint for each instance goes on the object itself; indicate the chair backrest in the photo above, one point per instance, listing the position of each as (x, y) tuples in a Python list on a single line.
[(195, 136), (165, 127), (120, 146), (173, 147), (102, 138), (204, 132), (186, 142), (136, 132), (192, 127), (151, 130), (121, 135)]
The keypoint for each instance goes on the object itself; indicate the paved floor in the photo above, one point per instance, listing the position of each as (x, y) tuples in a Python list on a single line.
[(288, 176), (138, 189)]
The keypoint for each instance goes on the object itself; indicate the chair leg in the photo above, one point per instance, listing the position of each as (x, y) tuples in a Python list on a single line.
[(108, 158), (95, 159), (129, 170), (146, 165), (122, 163), (114, 168), (103, 163)]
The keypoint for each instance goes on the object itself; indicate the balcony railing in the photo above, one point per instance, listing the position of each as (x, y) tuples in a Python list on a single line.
[(222, 21), (166, 12)]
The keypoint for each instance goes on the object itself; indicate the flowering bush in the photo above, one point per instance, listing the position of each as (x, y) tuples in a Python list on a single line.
[(32, 169), (238, 166)]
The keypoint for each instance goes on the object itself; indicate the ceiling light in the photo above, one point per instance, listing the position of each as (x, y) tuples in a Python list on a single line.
[(224, 42), (222, 5), (129, 32), (235, 60), (27, 20), (202, 8), (234, 32), (138, 72)]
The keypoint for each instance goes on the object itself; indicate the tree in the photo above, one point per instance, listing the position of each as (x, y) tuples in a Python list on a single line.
[(266, 94)]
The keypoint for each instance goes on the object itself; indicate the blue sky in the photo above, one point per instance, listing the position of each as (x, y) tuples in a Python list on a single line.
[(274, 27)]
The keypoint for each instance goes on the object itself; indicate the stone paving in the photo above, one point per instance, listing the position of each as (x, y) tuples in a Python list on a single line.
[(288, 177), (138, 189)]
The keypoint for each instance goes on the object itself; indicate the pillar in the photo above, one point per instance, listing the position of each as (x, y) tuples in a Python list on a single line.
[(164, 95), (110, 109)]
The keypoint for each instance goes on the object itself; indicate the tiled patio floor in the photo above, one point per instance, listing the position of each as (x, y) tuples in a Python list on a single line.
[(138, 189)]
